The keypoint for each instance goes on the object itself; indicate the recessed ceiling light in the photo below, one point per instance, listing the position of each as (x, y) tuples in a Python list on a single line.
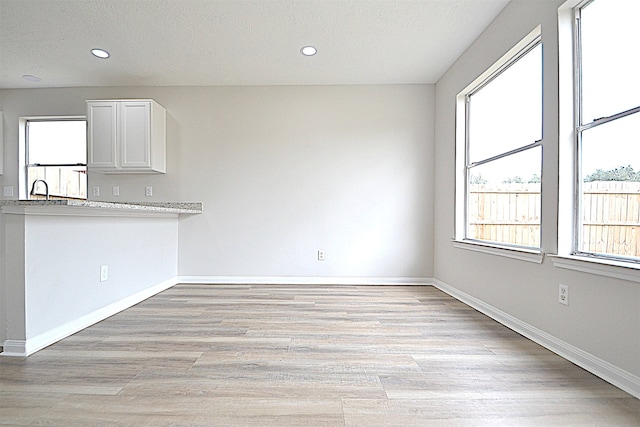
[(32, 79), (100, 53), (308, 50)]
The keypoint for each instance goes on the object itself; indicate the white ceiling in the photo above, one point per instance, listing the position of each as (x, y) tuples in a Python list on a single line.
[(235, 42)]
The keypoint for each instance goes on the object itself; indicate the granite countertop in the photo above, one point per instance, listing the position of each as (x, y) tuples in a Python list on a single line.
[(33, 206)]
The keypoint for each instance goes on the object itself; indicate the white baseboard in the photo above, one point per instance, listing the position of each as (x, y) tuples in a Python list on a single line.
[(601, 368), (16, 348), (31, 345), (304, 280)]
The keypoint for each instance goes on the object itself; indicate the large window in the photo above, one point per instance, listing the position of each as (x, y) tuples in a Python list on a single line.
[(500, 160), (56, 153), (607, 139)]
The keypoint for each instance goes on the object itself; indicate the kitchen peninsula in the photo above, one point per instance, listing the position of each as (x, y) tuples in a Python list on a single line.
[(68, 264)]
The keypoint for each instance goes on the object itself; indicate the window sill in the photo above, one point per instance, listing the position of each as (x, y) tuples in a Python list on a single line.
[(529, 255), (617, 269)]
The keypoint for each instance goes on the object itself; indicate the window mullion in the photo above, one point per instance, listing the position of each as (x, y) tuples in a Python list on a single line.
[(603, 120), (57, 165), (578, 198), (467, 175), (506, 154)]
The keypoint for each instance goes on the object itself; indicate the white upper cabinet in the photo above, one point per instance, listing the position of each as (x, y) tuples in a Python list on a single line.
[(126, 136)]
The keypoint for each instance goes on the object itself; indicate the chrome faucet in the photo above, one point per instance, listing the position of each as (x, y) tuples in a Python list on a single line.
[(46, 187)]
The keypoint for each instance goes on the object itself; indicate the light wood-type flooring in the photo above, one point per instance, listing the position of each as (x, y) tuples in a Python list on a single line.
[(241, 355)]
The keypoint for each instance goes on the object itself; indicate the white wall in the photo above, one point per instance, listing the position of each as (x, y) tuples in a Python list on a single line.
[(51, 277), (65, 254), (286, 171), (602, 321), (12, 228), (282, 171)]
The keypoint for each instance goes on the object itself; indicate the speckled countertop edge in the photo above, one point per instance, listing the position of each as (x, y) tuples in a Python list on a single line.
[(170, 207)]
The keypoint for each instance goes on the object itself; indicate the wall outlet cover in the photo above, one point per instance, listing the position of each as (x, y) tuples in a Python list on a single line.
[(104, 273), (563, 294)]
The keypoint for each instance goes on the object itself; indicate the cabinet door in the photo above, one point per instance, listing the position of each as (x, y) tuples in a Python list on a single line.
[(135, 118), (101, 135)]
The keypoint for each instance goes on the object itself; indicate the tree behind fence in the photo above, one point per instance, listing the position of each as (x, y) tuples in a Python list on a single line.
[(510, 213)]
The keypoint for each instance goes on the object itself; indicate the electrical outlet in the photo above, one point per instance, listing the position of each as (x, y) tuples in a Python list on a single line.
[(8, 191), (116, 190), (96, 191), (563, 294), (104, 273), (320, 255), (148, 191)]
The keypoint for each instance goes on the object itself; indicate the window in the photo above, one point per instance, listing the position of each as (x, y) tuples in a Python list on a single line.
[(607, 119), (55, 152), (499, 151)]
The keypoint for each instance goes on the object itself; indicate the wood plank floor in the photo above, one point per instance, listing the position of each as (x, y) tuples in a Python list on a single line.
[(304, 355)]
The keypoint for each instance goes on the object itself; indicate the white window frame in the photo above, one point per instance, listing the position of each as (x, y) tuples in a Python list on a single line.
[(460, 240), (23, 149), (568, 191)]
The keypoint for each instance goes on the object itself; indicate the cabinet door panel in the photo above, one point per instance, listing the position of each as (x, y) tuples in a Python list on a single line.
[(101, 119), (135, 118)]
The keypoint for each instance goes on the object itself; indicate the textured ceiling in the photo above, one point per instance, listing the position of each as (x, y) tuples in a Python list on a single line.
[(235, 42)]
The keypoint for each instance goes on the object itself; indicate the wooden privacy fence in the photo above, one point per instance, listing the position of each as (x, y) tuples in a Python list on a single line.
[(505, 213), (611, 220), (510, 213)]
